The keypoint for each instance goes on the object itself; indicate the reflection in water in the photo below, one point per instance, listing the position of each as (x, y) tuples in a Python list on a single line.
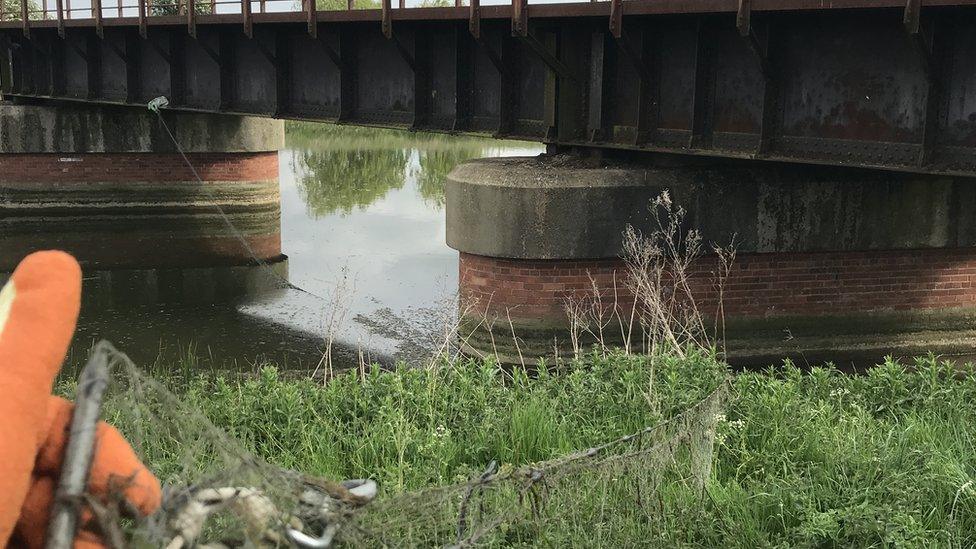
[(341, 181), (340, 176), (362, 225), (434, 167), (362, 210)]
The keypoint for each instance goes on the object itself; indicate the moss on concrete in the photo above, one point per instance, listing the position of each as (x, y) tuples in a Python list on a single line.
[(75, 129), (551, 208)]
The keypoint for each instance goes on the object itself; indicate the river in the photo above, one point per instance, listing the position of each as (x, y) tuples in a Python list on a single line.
[(362, 224)]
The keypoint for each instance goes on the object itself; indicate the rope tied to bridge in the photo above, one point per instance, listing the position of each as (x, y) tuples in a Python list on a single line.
[(156, 106)]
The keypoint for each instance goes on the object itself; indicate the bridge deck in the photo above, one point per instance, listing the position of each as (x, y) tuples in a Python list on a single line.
[(870, 83)]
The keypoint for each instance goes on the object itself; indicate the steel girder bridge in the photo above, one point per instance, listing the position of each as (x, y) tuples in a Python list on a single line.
[(872, 83)]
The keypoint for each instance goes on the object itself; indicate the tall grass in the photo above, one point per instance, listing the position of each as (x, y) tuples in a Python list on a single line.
[(415, 427), (803, 459), (822, 459)]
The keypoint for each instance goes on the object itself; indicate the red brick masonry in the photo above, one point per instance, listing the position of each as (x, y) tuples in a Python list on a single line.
[(170, 234), (130, 167), (759, 284)]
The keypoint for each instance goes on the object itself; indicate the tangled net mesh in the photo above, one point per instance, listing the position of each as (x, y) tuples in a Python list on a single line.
[(218, 494)]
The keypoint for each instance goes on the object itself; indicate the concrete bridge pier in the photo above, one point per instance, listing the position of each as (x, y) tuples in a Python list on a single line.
[(108, 185), (833, 263)]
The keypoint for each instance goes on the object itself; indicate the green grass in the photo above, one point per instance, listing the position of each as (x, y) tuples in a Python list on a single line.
[(803, 458), (414, 428), (823, 459)]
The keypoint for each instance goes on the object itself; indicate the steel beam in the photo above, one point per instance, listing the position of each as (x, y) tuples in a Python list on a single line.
[(883, 87)]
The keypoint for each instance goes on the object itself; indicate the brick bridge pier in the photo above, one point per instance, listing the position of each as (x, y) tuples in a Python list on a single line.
[(833, 263), (108, 185)]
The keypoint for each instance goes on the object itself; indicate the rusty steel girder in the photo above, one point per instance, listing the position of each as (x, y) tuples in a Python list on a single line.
[(870, 83)]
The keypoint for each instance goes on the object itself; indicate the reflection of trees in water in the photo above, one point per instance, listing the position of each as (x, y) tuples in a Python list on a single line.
[(341, 181), (341, 168), (434, 167)]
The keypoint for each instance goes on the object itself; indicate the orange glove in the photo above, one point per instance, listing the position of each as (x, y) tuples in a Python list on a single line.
[(38, 311)]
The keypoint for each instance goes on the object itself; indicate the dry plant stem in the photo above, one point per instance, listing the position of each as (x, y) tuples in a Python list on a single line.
[(515, 337), (626, 330), (362, 360), (600, 313), (463, 342), (341, 296), (726, 257), (452, 330), (444, 344), (574, 307), (490, 324), (589, 314), (81, 448), (660, 278)]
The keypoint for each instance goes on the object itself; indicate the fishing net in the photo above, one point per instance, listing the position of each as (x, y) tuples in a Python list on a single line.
[(218, 494)]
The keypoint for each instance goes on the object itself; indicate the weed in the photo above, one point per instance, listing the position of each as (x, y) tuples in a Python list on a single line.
[(803, 458)]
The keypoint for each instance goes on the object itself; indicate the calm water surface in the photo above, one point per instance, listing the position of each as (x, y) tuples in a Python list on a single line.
[(362, 224)]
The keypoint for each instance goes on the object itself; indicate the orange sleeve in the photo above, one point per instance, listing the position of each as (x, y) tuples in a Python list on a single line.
[(114, 466), (38, 310), (31, 531)]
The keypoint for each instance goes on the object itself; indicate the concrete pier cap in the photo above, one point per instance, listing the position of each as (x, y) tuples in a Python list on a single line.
[(527, 208), (108, 184), (80, 128), (832, 263)]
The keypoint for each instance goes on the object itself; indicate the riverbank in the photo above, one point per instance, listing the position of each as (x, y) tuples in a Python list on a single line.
[(801, 458)]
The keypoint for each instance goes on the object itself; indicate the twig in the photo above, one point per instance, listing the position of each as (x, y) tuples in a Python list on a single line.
[(515, 337), (81, 448)]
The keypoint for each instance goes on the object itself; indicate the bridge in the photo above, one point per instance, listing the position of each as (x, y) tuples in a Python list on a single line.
[(835, 139), (873, 83)]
